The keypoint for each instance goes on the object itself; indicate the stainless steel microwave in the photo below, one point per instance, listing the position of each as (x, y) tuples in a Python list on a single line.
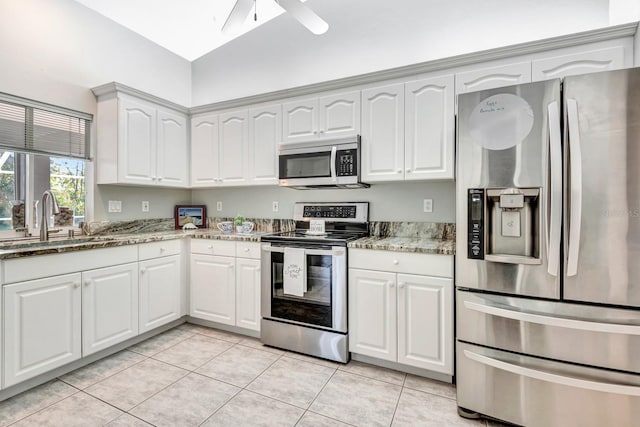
[(321, 164)]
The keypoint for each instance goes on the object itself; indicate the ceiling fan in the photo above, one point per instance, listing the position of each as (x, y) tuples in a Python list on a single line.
[(301, 12)]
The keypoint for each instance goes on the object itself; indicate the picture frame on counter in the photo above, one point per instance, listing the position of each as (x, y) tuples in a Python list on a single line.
[(190, 214)]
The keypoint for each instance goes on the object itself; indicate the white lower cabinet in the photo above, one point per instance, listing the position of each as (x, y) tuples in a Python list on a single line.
[(42, 326), (160, 291), (213, 287), (248, 293), (401, 317), (225, 282), (109, 306)]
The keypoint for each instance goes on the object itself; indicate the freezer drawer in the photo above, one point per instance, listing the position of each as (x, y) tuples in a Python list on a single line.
[(536, 392), (589, 335)]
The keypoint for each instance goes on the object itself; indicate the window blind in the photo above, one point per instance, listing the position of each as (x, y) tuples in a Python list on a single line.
[(26, 127)]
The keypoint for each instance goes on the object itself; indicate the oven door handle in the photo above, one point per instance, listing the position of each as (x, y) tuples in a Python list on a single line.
[(333, 252)]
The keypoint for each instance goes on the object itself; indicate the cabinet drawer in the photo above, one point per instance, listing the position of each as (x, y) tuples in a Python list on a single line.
[(402, 262), (213, 247), (248, 250), (158, 249)]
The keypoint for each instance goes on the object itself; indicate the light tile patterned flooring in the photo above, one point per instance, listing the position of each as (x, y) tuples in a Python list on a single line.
[(191, 376)]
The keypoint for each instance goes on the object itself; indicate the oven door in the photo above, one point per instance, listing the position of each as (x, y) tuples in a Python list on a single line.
[(324, 304)]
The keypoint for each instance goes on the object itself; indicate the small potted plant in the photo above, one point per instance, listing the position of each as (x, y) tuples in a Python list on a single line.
[(238, 222)]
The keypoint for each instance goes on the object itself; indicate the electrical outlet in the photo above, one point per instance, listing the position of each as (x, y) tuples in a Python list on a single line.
[(274, 206), (145, 206), (115, 206), (219, 206), (428, 205)]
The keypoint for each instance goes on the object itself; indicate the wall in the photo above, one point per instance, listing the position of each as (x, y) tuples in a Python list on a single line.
[(57, 50), (388, 202), (366, 36)]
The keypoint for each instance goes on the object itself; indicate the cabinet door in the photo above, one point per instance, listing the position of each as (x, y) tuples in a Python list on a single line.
[(429, 132), (300, 120), (109, 306), (425, 322), (159, 291), (42, 326), (489, 78), (213, 283), (611, 58), (248, 293), (172, 149), (372, 314), (383, 133), (205, 170), (339, 115), (265, 133), (136, 142), (234, 147)]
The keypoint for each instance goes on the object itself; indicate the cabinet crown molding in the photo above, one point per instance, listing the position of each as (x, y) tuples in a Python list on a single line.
[(109, 90), (591, 36)]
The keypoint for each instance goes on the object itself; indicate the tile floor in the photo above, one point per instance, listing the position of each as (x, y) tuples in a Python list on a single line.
[(191, 376)]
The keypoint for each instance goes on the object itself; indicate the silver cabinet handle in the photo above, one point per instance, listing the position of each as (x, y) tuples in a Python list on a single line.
[(247, 249), (162, 249), (231, 266), (396, 262), (555, 208), (76, 285), (159, 178), (87, 282), (408, 170), (586, 384), (210, 247), (399, 171), (392, 285), (401, 285), (575, 162), (143, 270)]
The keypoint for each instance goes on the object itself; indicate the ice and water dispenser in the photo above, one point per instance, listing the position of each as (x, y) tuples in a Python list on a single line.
[(504, 225)]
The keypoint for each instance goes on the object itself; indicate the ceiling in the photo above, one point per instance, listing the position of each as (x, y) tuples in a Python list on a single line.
[(188, 28)]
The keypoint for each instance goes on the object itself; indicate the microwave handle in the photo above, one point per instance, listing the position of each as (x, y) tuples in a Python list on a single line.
[(334, 154)]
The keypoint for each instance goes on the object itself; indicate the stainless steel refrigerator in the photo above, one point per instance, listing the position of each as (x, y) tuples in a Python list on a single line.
[(548, 252)]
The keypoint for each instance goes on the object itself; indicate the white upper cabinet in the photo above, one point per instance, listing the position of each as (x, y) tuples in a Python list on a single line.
[(339, 115), (172, 149), (569, 64), (136, 142), (234, 147), (383, 133), (205, 151), (265, 133), (429, 128), (408, 130), (141, 143), (329, 116), (493, 77)]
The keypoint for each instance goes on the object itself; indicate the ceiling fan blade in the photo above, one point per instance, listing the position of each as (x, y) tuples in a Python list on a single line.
[(304, 15), (237, 16)]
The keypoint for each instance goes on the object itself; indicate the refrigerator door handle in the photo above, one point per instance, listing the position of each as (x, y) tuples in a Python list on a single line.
[(558, 322), (586, 384), (554, 213), (575, 199)]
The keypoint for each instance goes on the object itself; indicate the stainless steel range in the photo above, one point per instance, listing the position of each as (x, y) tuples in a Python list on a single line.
[(304, 279)]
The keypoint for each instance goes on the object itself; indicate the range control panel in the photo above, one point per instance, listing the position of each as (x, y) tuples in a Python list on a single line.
[(346, 163), (329, 212), (475, 226)]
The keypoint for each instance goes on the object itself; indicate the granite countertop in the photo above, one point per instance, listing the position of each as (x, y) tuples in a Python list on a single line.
[(428, 238), (29, 247), (406, 244)]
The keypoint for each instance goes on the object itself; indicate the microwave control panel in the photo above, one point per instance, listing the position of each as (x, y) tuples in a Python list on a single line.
[(346, 163), (475, 213)]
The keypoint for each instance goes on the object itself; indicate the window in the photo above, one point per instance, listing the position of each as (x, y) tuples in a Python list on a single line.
[(42, 147)]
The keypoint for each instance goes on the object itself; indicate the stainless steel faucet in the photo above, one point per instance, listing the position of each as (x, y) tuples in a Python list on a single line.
[(44, 222)]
